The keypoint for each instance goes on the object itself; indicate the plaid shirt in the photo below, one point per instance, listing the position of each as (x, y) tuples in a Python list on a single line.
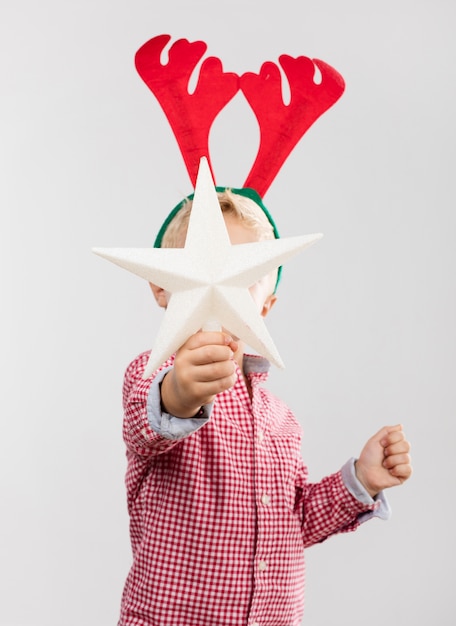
[(220, 515)]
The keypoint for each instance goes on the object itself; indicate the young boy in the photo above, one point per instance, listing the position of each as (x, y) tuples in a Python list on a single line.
[(220, 507)]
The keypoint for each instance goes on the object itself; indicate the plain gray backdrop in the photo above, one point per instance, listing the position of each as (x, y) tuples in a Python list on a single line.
[(365, 318)]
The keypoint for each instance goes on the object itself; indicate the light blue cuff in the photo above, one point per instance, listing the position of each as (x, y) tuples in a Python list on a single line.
[(170, 426), (355, 487)]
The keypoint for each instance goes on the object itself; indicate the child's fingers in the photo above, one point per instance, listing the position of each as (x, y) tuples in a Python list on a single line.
[(206, 390), (394, 428), (402, 471), (206, 355), (204, 338), (201, 341), (397, 448), (392, 437), (382, 435), (215, 371), (396, 460)]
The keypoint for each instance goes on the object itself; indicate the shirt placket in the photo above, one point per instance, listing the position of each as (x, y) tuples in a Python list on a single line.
[(264, 507)]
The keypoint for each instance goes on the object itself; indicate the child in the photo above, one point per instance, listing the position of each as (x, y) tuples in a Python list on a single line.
[(220, 507)]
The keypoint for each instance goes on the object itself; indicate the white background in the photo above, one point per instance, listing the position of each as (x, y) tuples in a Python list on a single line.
[(364, 322)]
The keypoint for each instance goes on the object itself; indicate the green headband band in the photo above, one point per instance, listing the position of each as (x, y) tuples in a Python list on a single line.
[(247, 193)]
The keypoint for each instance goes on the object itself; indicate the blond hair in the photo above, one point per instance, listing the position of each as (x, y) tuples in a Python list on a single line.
[(245, 209)]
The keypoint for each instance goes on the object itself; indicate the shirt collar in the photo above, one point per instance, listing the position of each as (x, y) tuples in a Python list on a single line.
[(254, 364)]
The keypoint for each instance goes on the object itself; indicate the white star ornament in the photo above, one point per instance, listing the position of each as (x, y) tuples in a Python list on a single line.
[(209, 278)]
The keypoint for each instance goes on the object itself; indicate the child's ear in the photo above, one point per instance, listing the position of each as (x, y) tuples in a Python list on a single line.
[(268, 304), (159, 295)]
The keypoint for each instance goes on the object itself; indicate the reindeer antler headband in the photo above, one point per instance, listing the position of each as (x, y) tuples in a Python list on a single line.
[(191, 115)]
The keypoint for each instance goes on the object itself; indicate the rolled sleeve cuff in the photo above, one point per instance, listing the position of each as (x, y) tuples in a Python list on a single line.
[(170, 426), (380, 508)]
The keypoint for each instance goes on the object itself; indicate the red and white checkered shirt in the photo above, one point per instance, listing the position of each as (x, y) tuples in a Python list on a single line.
[(220, 518)]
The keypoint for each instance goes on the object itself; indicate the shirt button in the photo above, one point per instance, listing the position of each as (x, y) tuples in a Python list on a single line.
[(262, 566), (265, 499), (260, 436)]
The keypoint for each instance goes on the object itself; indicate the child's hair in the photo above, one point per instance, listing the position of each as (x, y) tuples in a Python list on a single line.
[(245, 204), (243, 208)]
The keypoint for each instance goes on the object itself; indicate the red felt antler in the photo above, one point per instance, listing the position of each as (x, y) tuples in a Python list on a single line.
[(190, 115), (283, 125)]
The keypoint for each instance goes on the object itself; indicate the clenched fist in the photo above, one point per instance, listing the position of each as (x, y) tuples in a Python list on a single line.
[(385, 460)]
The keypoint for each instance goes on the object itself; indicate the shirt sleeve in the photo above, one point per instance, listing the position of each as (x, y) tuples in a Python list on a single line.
[(140, 439), (329, 507), (169, 426), (382, 508)]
